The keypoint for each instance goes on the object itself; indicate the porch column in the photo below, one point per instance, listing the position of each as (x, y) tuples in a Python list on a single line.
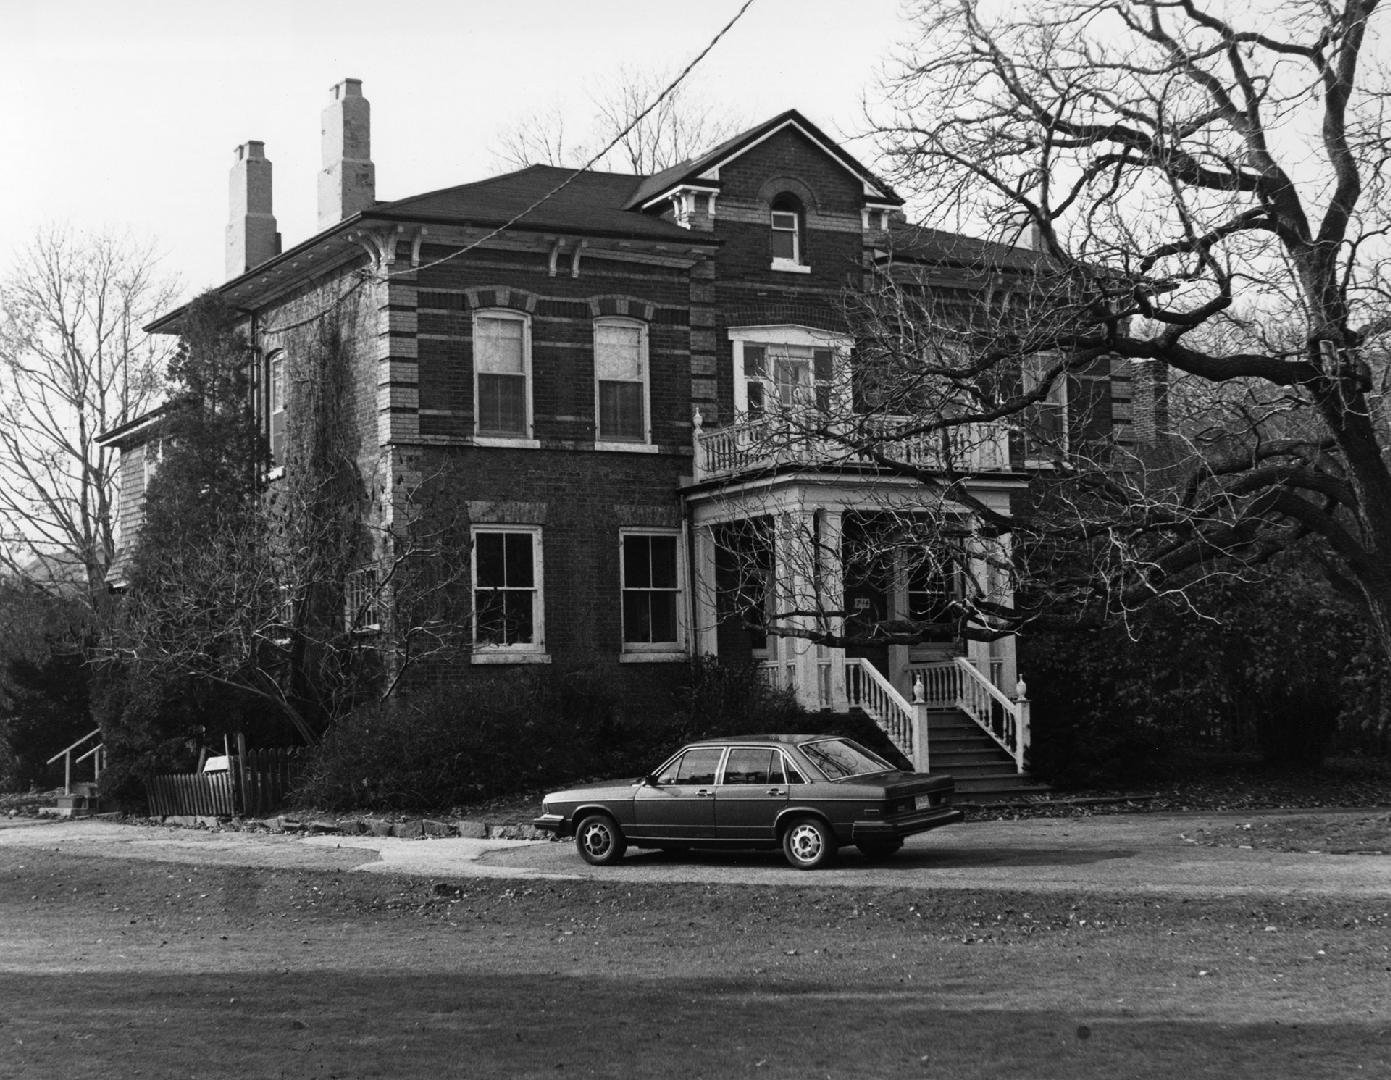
[(704, 612), (831, 596), (794, 555)]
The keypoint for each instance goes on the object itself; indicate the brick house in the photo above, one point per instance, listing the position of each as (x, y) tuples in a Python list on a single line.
[(600, 358)]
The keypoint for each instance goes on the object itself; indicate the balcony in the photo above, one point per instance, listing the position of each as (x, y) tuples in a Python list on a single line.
[(759, 445)]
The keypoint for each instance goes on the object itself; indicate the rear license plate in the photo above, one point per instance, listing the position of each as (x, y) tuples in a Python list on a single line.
[(923, 802)]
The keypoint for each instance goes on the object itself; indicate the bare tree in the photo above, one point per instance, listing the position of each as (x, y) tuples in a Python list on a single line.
[(74, 362), (682, 124), (1204, 192)]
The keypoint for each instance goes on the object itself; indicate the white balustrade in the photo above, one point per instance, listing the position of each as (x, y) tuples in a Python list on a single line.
[(956, 684), (761, 444)]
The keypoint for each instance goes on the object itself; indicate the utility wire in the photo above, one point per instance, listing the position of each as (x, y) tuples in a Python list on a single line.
[(365, 276)]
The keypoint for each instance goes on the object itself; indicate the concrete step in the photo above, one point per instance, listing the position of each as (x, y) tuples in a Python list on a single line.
[(70, 806)]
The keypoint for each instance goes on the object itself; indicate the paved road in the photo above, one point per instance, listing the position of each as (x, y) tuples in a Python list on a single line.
[(1125, 853)]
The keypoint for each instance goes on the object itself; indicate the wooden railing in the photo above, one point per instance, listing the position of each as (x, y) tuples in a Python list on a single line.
[(763, 444), (956, 684), (867, 689), (97, 753)]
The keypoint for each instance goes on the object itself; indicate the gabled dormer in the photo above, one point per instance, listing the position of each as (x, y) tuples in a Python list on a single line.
[(784, 197)]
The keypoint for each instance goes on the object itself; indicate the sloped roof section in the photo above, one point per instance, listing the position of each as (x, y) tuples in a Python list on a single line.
[(922, 244), (590, 202), (692, 171)]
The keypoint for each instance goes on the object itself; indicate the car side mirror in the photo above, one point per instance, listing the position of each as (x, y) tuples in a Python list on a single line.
[(649, 780)]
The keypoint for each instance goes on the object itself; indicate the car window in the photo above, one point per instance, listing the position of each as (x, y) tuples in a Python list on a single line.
[(752, 765), (839, 758), (696, 766), (791, 774)]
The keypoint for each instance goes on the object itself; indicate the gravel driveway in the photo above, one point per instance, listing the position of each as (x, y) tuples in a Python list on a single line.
[(1140, 853)]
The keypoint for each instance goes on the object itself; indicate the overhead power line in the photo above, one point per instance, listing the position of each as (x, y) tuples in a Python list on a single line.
[(665, 93)]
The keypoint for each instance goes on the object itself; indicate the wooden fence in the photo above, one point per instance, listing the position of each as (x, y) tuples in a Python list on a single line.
[(258, 783)]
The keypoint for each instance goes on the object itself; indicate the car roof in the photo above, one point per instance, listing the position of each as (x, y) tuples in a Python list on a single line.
[(741, 740)]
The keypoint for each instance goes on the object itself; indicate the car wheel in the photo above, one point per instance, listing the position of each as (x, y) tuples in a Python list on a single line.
[(877, 850), (808, 843), (599, 840)]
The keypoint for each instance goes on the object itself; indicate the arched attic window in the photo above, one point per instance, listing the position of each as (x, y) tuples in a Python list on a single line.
[(787, 219)]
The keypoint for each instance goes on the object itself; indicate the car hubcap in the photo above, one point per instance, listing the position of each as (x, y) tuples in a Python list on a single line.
[(805, 843), (596, 840)]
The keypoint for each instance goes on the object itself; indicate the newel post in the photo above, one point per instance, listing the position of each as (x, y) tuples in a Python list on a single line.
[(1021, 742), (921, 762)]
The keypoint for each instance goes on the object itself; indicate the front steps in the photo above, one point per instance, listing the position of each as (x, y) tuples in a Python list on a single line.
[(82, 802), (984, 773)]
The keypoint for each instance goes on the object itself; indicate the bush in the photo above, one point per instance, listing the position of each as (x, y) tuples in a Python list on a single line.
[(461, 742)]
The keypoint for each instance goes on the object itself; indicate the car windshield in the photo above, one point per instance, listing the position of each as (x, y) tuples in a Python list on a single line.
[(839, 758)]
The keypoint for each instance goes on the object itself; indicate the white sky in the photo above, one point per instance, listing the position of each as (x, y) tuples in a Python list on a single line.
[(123, 114)]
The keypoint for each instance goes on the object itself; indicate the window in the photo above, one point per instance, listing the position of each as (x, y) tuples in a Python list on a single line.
[(753, 765), (785, 366), (152, 456), (507, 611), (697, 766), (620, 375), (361, 600), (784, 377), (786, 219), (933, 587), (275, 406), (502, 374), (651, 585), (1045, 424)]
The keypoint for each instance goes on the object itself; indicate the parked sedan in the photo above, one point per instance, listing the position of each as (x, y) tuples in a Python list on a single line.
[(807, 794)]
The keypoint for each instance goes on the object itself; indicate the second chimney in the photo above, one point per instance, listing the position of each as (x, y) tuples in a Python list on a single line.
[(348, 181), (251, 235)]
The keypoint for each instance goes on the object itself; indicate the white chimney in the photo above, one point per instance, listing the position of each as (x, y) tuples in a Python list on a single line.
[(251, 235), (348, 181)]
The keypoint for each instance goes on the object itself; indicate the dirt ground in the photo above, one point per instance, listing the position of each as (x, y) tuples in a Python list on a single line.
[(132, 967)]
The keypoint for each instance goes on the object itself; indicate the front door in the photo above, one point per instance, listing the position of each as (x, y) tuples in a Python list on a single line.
[(681, 805)]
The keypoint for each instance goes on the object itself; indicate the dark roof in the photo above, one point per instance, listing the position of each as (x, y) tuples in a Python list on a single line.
[(921, 244), (125, 435), (689, 171), (592, 202)]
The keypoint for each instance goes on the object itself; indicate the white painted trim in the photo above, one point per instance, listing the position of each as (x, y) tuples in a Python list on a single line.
[(525, 319), (488, 654), (664, 649), (788, 266), (538, 612), (641, 327)]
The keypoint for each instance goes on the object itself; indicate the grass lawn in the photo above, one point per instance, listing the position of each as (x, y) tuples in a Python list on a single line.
[(140, 969)]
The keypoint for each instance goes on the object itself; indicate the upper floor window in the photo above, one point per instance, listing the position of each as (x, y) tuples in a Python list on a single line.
[(788, 226), (621, 381), (502, 374), (782, 368), (1045, 423), (277, 377)]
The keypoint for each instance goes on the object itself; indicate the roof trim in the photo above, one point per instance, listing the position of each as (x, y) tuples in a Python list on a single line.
[(697, 169)]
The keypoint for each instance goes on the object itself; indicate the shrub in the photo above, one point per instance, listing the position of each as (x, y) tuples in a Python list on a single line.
[(464, 741)]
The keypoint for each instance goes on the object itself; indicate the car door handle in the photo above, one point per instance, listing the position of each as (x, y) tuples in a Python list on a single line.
[(777, 791), (704, 793)]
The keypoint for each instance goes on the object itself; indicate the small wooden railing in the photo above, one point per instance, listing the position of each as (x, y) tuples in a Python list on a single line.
[(867, 689), (956, 684), (763, 444), (96, 752)]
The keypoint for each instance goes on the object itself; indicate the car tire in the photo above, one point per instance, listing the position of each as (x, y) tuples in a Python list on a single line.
[(879, 850), (808, 843), (599, 840)]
